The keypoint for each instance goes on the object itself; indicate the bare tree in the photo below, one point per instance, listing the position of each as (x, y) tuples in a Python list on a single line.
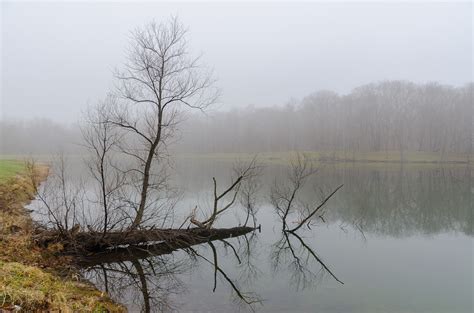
[(100, 138), (127, 136), (386, 116), (285, 200), (158, 80), (283, 197), (62, 199), (222, 201)]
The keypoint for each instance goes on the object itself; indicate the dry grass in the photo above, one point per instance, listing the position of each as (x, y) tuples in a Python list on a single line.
[(34, 289), (35, 279)]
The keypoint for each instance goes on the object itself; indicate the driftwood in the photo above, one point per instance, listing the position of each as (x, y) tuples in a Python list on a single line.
[(83, 243)]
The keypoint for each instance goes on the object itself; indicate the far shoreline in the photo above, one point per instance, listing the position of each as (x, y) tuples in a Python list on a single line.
[(333, 158)]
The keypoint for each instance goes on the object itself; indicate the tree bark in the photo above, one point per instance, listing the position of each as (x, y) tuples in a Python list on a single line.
[(159, 240)]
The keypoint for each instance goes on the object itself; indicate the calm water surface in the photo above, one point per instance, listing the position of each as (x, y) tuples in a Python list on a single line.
[(400, 240)]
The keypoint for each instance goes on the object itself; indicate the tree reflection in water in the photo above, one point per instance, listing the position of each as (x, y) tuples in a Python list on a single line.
[(152, 272), (394, 202), (148, 283), (303, 263), (291, 249), (152, 282)]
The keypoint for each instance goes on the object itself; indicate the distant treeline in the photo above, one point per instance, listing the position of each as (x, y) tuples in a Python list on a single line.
[(386, 116), (38, 136)]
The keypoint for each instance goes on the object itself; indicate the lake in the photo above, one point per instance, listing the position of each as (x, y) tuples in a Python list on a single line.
[(399, 238)]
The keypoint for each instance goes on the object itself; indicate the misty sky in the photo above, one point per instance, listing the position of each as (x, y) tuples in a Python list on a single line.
[(56, 58)]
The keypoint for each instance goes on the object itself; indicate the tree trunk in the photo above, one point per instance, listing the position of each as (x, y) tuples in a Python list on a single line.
[(161, 239)]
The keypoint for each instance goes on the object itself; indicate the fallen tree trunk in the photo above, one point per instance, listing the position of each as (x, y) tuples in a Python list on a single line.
[(181, 241), (161, 239)]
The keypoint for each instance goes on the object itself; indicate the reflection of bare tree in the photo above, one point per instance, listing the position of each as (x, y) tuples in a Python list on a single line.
[(248, 252), (151, 272), (250, 299), (149, 283), (301, 260)]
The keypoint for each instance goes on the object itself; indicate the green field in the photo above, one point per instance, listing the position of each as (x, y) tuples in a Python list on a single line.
[(10, 168)]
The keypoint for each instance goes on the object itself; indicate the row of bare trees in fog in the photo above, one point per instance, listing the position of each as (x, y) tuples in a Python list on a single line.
[(387, 116)]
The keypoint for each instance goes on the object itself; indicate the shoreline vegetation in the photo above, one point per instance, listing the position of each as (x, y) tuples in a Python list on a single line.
[(34, 279)]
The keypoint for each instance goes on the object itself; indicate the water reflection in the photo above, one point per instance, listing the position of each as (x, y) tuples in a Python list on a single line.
[(145, 284), (396, 205), (149, 281), (406, 202), (302, 263), (395, 201)]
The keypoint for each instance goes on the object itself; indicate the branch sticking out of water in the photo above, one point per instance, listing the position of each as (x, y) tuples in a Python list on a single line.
[(306, 219)]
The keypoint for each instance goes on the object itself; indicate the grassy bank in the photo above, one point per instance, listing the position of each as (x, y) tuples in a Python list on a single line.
[(341, 157), (10, 168), (33, 279)]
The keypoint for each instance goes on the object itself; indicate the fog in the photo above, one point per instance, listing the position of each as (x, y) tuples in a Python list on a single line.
[(380, 117), (58, 57), (386, 116), (302, 76), (328, 145)]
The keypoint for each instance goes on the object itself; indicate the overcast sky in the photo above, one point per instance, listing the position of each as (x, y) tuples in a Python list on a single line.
[(56, 58)]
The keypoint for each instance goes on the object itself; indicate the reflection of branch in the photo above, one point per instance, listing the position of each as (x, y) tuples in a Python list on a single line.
[(227, 244), (143, 283), (301, 264), (248, 298), (249, 270), (148, 283), (214, 253), (134, 267), (316, 257), (106, 281)]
